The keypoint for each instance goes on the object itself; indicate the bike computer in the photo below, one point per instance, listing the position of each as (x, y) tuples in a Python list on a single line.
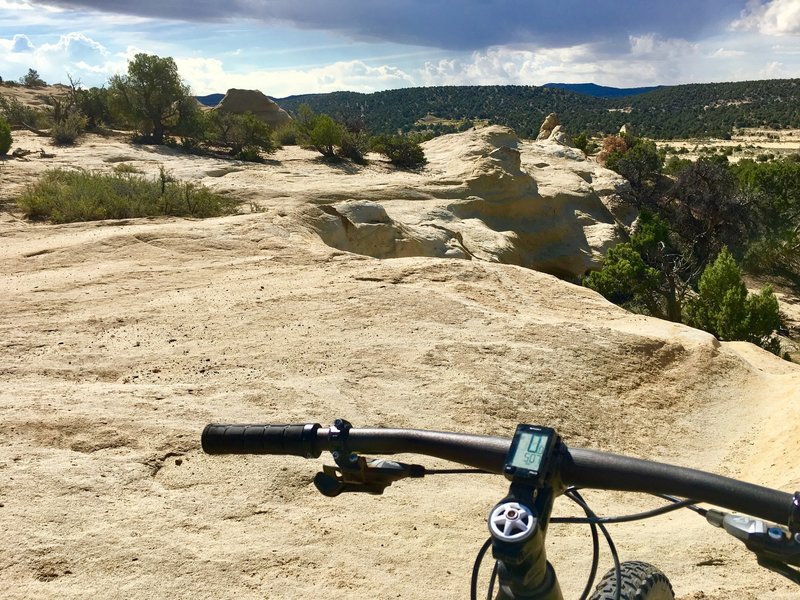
[(529, 456)]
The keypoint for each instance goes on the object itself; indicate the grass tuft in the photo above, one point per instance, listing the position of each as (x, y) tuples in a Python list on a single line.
[(64, 196)]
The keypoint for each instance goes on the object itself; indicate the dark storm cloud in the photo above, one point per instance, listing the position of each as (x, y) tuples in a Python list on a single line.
[(453, 24)]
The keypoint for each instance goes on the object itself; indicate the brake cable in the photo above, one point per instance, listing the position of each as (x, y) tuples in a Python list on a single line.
[(574, 495)]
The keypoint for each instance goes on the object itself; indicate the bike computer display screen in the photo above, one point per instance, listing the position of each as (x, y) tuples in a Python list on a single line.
[(529, 454)]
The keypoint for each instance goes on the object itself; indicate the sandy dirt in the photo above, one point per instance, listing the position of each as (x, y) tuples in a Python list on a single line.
[(120, 340)]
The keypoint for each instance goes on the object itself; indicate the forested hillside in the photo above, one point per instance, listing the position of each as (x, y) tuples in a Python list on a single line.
[(600, 91), (711, 109)]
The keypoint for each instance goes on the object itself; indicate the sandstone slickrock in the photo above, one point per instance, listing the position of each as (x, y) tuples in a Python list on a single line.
[(241, 101), (550, 122), (120, 340), (492, 196)]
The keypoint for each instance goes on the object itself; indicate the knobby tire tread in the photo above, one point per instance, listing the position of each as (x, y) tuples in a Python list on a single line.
[(640, 581)]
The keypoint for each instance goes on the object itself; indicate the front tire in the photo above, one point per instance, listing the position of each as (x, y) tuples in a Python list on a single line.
[(640, 581)]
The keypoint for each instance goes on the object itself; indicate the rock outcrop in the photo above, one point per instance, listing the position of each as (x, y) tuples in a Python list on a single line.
[(241, 101), (550, 122), (487, 194), (553, 131)]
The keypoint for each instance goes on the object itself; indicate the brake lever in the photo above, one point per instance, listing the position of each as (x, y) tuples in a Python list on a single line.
[(775, 547), (362, 474)]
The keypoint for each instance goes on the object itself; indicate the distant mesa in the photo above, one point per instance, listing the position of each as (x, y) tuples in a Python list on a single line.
[(241, 101), (601, 91)]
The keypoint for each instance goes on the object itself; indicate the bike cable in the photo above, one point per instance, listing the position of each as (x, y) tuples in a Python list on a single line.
[(593, 519), (473, 590), (676, 505)]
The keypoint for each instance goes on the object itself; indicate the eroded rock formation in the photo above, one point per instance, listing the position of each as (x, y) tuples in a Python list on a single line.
[(242, 101)]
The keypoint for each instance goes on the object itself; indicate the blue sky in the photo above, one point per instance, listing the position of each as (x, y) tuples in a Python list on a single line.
[(303, 46)]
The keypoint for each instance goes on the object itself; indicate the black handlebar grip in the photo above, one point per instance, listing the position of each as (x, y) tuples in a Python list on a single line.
[(296, 440)]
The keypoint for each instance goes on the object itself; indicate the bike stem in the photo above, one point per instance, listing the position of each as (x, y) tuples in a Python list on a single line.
[(523, 570)]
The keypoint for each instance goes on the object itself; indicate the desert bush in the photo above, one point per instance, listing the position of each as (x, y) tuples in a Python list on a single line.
[(18, 114), (724, 308), (5, 137), (69, 129), (647, 274), (612, 147), (93, 104), (774, 192), (318, 132), (640, 164), (401, 150), (250, 154), (286, 135), (245, 136), (581, 141), (125, 168), (31, 79), (675, 165), (63, 196), (354, 145)]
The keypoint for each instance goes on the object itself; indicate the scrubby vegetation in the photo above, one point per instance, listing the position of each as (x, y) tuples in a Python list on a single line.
[(151, 97), (723, 306), (63, 196), (18, 114), (5, 137), (318, 132), (245, 136), (403, 151), (31, 79), (697, 221)]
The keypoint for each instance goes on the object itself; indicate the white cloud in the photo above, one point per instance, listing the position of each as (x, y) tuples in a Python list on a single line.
[(652, 46), (74, 53), (773, 17), (775, 70), (75, 46), (649, 60), (725, 53), (21, 43), (15, 5), (207, 75)]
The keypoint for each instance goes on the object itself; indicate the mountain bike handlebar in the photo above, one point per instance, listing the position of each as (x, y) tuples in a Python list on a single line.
[(576, 467)]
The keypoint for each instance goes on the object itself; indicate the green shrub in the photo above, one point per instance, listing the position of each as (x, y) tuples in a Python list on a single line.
[(69, 129), (675, 165), (125, 168), (643, 275), (318, 132), (723, 306), (5, 137), (151, 97), (18, 114), (240, 132), (93, 103), (250, 154), (354, 145), (325, 135), (32, 79), (286, 135), (581, 141), (63, 196), (401, 150)]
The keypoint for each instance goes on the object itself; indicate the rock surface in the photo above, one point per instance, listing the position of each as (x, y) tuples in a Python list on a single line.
[(121, 340), (550, 122), (486, 194), (241, 101)]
